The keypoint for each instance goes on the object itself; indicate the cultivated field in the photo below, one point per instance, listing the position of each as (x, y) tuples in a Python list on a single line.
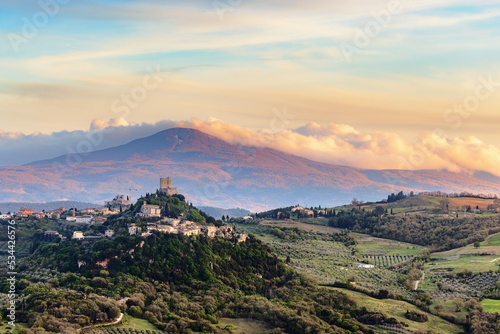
[(397, 309), (491, 305), (475, 259), (327, 261), (473, 202), (318, 228), (372, 246), (244, 326)]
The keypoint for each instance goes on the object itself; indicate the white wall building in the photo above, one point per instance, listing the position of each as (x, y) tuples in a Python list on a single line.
[(78, 235), (84, 219)]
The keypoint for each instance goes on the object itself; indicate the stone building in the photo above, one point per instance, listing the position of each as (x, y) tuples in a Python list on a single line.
[(148, 210), (166, 186), (78, 235), (133, 229), (119, 202)]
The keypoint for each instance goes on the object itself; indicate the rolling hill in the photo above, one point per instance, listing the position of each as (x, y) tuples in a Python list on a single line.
[(213, 172)]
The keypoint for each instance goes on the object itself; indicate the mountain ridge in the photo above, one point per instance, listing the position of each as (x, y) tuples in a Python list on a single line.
[(212, 172)]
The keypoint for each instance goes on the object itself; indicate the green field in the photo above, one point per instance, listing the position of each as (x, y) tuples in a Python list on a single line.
[(326, 261), (4, 327), (371, 246), (472, 262), (245, 326), (397, 309), (491, 305), (493, 240), (480, 259), (136, 323)]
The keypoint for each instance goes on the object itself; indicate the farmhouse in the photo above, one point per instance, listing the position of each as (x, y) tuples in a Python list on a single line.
[(87, 219), (361, 266), (78, 235)]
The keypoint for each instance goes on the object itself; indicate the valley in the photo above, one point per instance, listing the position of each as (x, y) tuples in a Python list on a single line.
[(375, 273), (434, 282)]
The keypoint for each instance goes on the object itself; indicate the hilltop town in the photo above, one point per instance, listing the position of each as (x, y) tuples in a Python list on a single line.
[(148, 218)]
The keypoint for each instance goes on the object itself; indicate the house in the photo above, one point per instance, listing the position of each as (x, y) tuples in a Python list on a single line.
[(52, 214), (109, 233), (190, 231), (307, 212), (173, 221), (51, 234), (133, 229), (247, 217), (210, 231), (4, 216), (149, 211), (24, 212), (241, 238), (78, 235), (98, 220), (303, 211), (39, 215), (79, 219), (361, 266), (104, 210), (225, 231), (89, 210), (165, 228), (87, 219), (103, 264), (58, 210)]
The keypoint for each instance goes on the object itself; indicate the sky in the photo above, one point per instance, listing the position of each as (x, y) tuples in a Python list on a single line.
[(384, 84)]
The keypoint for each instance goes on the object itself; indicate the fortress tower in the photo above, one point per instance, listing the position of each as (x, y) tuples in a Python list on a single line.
[(166, 186)]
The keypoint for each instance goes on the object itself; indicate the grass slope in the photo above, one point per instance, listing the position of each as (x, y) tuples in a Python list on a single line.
[(136, 323), (397, 309), (245, 326), (491, 305)]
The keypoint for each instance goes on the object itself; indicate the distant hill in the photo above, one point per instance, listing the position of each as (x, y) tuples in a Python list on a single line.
[(218, 212), (212, 172), (37, 207)]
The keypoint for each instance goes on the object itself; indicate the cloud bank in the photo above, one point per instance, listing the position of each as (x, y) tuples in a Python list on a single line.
[(342, 144), (338, 144)]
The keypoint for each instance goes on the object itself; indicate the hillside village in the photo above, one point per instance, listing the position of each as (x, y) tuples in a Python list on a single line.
[(151, 216)]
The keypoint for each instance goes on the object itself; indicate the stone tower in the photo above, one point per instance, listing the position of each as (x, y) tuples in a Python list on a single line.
[(166, 186)]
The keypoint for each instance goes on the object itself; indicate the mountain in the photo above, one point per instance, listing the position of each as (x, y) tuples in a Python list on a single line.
[(219, 212), (38, 207), (212, 172)]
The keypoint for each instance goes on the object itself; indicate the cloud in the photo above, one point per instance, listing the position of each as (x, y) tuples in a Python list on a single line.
[(338, 144), (18, 148), (342, 144)]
